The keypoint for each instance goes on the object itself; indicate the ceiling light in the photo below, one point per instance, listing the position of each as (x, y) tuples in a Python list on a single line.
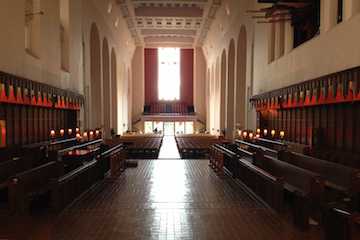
[(227, 10), (109, 7), (116, 24)]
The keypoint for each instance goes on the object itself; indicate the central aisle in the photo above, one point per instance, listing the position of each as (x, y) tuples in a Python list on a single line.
[(169, 149), (178, 199)]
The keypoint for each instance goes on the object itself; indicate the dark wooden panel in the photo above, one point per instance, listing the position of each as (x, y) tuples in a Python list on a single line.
[(357, 128), (36, 124), (17, 125), (331, 118), (339, 127), (293, 125), (309, 125), (303, 121), (24, 130), (324, 124), (9, 125), (349, 126)]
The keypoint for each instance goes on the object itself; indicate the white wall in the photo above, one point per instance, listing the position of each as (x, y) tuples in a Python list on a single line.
[(336, 48), (47, 68)]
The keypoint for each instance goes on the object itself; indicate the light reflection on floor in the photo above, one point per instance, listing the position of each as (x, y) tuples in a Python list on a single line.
[(169, 149)]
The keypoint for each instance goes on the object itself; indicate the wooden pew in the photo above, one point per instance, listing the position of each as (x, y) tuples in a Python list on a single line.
[(142, 146), (25, 186), (223, 157), (341, 224), (113, 158), (75, 156), (266, 186), (337, 177), (68, 187), (195, 147), (271, 144), (251, 147), (305, 186)]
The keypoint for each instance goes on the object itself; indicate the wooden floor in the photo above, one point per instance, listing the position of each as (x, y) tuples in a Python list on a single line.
[(160, 199)]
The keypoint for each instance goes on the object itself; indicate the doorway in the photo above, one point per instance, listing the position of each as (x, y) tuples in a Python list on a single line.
[(169, 129)]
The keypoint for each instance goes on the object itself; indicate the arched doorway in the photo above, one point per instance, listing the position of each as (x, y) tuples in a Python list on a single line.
[(223, 91), (240, 94), (230, 91), (106, 88), (114, 91), (95, 78), (207, 98)]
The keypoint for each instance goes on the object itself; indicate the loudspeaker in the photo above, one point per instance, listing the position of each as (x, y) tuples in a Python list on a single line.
[(147, 109), (190, 109)]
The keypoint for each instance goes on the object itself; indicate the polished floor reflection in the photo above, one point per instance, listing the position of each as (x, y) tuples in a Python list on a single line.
[(160, 199), (177, 199)]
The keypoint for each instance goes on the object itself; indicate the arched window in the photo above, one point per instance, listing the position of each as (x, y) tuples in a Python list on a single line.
[(32, 27), (64, 34)]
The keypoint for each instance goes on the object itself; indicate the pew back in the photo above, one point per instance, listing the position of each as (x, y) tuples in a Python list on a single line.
[(337, 176), (296, 179)]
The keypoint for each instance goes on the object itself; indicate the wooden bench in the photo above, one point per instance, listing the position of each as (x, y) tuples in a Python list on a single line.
[(73, 157), (195, 147), (341, 224), (337, 177), (142, 147), (266, 186), (113, 157), (25, 186), (70, 186), (271, 144), (252, 147), (222, 157), (305, 186)]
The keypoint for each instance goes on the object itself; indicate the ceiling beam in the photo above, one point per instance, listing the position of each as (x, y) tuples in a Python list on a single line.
[(169, 12)]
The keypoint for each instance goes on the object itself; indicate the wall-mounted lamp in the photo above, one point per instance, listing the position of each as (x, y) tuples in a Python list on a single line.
[(52, 133), (273, 132), (282, 134), (265, 132)]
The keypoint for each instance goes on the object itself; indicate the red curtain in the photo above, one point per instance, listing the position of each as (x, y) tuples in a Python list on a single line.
[(186, 75), (151, 75)]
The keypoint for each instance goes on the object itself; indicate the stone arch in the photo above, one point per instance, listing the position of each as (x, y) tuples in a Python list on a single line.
[(212, 100), (230, 91), (95, 78), (223, 91), (106, 87), (240, 93), (217, 93), (207, 98), (114, 91), (129, 99)]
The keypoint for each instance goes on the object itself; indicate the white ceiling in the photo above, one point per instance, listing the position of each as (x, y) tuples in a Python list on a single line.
[(162, 23)]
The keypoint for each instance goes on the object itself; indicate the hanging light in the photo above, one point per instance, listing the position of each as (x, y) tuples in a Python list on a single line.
[(258, 131), (62, 132), (70, 131)]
